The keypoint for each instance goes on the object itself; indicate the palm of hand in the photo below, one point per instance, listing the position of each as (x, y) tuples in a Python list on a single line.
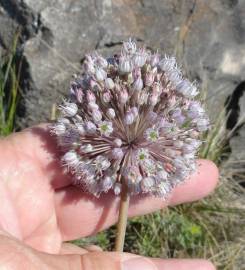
[(30, 176)]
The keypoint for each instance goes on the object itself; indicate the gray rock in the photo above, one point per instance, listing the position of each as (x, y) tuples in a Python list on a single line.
[(206, 36), (236, 122)]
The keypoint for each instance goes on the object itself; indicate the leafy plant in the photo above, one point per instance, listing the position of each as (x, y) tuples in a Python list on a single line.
[(9, 89)]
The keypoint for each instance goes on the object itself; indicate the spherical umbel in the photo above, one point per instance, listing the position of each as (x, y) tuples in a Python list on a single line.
[(133, 120)]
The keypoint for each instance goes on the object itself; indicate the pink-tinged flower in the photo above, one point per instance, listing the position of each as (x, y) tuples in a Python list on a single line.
[(131, 120)]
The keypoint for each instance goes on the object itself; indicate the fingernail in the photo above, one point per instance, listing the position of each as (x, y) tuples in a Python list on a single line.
[(139, 263)]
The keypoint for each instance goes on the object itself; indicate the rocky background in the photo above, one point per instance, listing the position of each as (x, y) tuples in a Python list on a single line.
[(207, 37)]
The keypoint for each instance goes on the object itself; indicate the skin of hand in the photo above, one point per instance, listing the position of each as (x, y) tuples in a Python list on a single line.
[(40, 209)]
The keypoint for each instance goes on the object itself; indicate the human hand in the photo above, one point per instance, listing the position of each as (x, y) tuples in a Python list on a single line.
[(40, 209)]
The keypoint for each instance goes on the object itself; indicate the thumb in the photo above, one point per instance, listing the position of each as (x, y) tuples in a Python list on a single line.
[(123, 261), (15, 255), (100, 261)]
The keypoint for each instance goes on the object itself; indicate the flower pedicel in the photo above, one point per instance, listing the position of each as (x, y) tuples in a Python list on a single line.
[(131, 124)]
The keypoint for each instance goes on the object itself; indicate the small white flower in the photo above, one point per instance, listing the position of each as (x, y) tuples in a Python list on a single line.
[(142, 154), (152, 134), (105, 128), (102, 163)]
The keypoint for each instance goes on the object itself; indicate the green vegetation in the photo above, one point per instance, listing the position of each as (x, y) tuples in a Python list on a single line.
[(9, 88)]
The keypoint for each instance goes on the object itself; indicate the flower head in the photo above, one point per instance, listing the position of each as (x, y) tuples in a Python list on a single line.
[(131, 120)]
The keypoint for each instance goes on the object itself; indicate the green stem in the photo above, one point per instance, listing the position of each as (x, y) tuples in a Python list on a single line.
[(122, 220)]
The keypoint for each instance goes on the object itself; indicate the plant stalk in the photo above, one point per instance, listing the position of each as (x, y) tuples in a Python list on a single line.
[(122, 220)]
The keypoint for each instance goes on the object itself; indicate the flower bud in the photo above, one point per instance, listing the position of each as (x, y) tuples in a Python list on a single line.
[(117, 142), (125, 64), (69, 109), (101, 61), (102, 163), (100, 74), (129, 47), (161, 176), (97, 116), (134, 111), (147, 183), (79, 95), (86, 148), (93, 106), (107, 183), (111, 113), (109, 84), (90, 96), (64, 121), (167, 64), (71, 159), (195, 110), (117, 153), (175, 77), (153, 99), (90, 127), (156, 88), (138, 84), (80, 128), (106, 96), (94, 86), (59, 128), (142, 97), (149, 78), (178, 144), (89, 67), (129, 118), (117, 188), (154, 59), (202, 125), (187, 148), (180, 120), (186, 88), (151, 116), (140, 58), (123, 96)]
